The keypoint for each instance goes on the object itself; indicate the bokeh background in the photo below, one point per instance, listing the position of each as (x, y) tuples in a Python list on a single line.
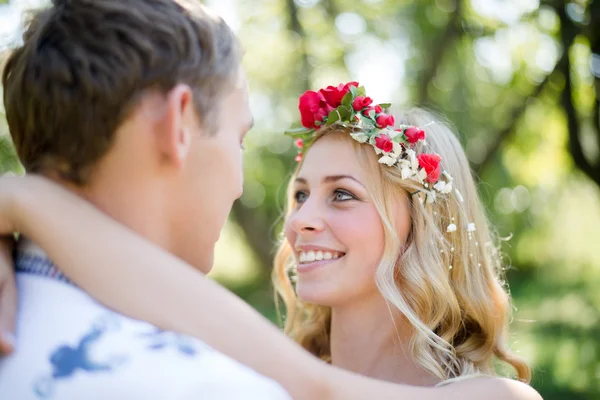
[(520, 79)]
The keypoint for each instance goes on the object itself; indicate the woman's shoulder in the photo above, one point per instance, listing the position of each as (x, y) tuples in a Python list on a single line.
[(491, 388)]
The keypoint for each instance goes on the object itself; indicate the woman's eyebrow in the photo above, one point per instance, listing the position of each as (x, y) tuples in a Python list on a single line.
[(331, 179)]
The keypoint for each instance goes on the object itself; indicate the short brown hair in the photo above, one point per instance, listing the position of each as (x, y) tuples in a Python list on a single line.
[(84, 64)]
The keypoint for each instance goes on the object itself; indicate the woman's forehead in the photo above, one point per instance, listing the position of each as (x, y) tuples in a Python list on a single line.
[(331, 156)]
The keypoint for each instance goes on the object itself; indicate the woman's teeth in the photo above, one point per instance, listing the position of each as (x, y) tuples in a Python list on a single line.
[(311, 256)]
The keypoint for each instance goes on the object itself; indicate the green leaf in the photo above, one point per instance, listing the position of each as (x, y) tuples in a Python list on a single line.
[(345, 112), (399, 139), (354, 91), (333, 116), (361, 91), (366, 120), (372, 114), (347, 100), (342, 113), (385, 105)]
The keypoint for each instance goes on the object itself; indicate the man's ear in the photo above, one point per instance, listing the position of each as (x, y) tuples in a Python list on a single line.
[(176, 126)]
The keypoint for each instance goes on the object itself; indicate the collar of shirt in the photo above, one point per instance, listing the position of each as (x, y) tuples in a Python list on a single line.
[(31, 259)]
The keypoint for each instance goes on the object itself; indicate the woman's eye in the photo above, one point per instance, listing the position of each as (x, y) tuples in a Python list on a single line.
[(300, 197), (342, 195)]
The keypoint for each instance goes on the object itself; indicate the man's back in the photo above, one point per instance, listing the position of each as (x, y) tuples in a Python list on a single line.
[(70, 347)]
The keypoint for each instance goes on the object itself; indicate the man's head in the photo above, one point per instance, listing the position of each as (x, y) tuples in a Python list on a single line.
[(139, 105)]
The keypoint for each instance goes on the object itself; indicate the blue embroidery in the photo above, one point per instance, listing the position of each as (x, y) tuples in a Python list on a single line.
[(67, 360), (160, 339)]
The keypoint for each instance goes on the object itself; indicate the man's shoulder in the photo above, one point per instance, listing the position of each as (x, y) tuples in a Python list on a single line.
[(67, 340), (61, 326)]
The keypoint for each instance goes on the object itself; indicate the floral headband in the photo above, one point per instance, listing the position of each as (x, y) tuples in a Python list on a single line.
[(347, 105)]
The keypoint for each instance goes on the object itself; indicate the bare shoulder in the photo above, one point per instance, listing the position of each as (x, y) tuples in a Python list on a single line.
[(491, 388)]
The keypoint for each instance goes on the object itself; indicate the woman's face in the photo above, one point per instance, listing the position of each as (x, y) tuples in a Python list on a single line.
[(335, 230)]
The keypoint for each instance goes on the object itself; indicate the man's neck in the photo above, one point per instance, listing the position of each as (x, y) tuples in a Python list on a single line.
[(368, 340), (141, 208)]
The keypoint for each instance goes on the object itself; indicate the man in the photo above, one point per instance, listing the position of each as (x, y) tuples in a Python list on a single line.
[(141, 108)]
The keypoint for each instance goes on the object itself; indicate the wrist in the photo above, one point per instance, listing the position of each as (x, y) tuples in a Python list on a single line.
[(19, 205), (320, 381)]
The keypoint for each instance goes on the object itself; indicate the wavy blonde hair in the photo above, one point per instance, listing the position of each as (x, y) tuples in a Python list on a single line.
[(459, 315)]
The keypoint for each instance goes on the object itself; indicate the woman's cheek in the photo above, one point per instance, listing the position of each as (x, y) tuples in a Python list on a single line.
[(360, 228)]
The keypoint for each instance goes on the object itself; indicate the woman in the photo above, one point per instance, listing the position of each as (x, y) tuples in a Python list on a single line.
[(394, 274)]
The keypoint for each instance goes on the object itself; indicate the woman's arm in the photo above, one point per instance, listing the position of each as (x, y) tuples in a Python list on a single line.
[(135, 277)]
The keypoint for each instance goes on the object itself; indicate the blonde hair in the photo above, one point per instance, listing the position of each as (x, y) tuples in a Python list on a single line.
[(448, 286)]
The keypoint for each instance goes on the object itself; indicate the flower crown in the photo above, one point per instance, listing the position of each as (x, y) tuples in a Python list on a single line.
[(347, 105)]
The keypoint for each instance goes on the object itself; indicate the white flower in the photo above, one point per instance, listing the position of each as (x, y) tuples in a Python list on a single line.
[(397, 150), (451, 228), (421, 175), (406, 172), (440, 186), (360, 137), (448, 188), (402, 163), (448, 177), (471, 227), (412, 156), (443, 187), (387, 160)]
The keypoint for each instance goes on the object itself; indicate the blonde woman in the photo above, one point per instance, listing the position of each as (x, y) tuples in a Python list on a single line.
[(388, 268)]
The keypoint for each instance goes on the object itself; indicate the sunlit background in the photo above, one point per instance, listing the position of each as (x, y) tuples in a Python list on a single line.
[(520, 79)]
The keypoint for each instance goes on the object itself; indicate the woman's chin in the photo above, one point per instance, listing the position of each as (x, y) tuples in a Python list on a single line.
[(319, 293)]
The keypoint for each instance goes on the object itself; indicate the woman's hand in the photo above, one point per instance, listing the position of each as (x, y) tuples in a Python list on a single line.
[(8, 297), (13, 191), (9, 187)]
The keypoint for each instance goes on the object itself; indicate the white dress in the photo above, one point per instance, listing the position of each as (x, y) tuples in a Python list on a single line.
[(69, 347)]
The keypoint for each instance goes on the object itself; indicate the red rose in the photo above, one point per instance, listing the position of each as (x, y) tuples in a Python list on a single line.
[(384, 142), (377, 109), (414, 134), (334, 95), (383, 120), (298, 157), (431, 164), (313, 107), (361, 102), (299, 143)]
